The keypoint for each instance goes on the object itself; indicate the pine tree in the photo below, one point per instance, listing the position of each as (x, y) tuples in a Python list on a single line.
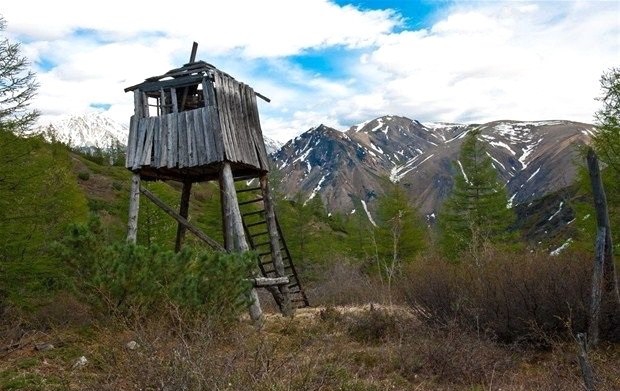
[(399, 233), (476, 212), (17, 87)]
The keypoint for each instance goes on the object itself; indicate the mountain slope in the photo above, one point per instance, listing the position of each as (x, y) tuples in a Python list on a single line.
[(533, 159), (90, 130)]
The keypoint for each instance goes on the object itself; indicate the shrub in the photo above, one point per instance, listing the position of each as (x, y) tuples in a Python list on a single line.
[(84, 175), (373, 326), (137, 279), (527, 297)]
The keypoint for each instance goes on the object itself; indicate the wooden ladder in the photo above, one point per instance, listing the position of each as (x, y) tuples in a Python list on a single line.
[(252, 207)]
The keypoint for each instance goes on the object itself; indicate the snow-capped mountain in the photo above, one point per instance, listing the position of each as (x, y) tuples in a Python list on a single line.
[(348, 170), (272, 145), (90, 130)]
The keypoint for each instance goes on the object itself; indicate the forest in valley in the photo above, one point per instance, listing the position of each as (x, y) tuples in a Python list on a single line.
[(463, 304)]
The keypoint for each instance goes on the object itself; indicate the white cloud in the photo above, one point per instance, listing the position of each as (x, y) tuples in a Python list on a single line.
[(500, 61), (477, 62)]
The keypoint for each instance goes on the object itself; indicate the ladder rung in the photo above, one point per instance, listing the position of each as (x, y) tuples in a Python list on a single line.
[(256, 223), (248, 189), (261, 244), (254, 213), (250, 201), (260, 234), (263, 254), (245, 177)]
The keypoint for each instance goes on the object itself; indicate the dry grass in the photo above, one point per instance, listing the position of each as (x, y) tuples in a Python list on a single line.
[(329, 348)]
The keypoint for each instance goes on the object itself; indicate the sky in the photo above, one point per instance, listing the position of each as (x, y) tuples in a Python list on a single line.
[(333, 62)]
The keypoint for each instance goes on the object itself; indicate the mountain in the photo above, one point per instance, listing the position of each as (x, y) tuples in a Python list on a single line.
[(272, 145), (351, 168), (89, 130)]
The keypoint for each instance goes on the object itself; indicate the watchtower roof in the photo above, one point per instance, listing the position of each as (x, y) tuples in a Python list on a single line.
[(189, 120)]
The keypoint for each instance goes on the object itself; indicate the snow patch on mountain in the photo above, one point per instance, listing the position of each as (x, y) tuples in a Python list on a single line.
[(372, 221)]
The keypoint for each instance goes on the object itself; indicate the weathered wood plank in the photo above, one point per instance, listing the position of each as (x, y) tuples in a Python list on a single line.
[(248, 126), (140, 143), (258, 132), (215, 137), (131, 141), (156, 142), (173, 139), (189, 122), (192, 136), (240, 130), (148, 142), (222, 108), (253, 130), (190, 227), (230, 98), (182, 131), (201, 147), (164, 141)]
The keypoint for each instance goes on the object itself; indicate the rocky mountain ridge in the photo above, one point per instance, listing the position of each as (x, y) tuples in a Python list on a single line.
[(349, 169)]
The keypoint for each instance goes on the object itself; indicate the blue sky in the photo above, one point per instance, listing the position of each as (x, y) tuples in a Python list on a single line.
[(332, 62)]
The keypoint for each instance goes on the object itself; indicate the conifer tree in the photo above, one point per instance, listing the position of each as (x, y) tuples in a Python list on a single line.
[(17, 87), (476, 212), (607, 139), (399, 233)]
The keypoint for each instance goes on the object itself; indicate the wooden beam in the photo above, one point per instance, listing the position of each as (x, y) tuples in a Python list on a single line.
[(192, 57), (190, 227), (261, 282), (234, 234), (183, 212), (134, 207)]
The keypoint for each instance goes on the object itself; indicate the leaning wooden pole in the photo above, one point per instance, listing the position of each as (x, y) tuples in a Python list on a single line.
[(604, 275), (234, 234), (286, 306)]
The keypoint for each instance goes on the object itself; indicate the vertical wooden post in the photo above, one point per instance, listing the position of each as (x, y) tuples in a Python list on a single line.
[(274, 238), (134, 195), (604, 269), (183, 211), (134, 207), (586, 368), (234, 235)]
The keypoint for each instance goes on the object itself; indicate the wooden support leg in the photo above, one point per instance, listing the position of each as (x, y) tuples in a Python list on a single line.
[(134, 206), (234, 235), (284, 300), (183, 212)]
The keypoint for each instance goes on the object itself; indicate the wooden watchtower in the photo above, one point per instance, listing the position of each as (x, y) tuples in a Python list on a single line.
[(197, 124)]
